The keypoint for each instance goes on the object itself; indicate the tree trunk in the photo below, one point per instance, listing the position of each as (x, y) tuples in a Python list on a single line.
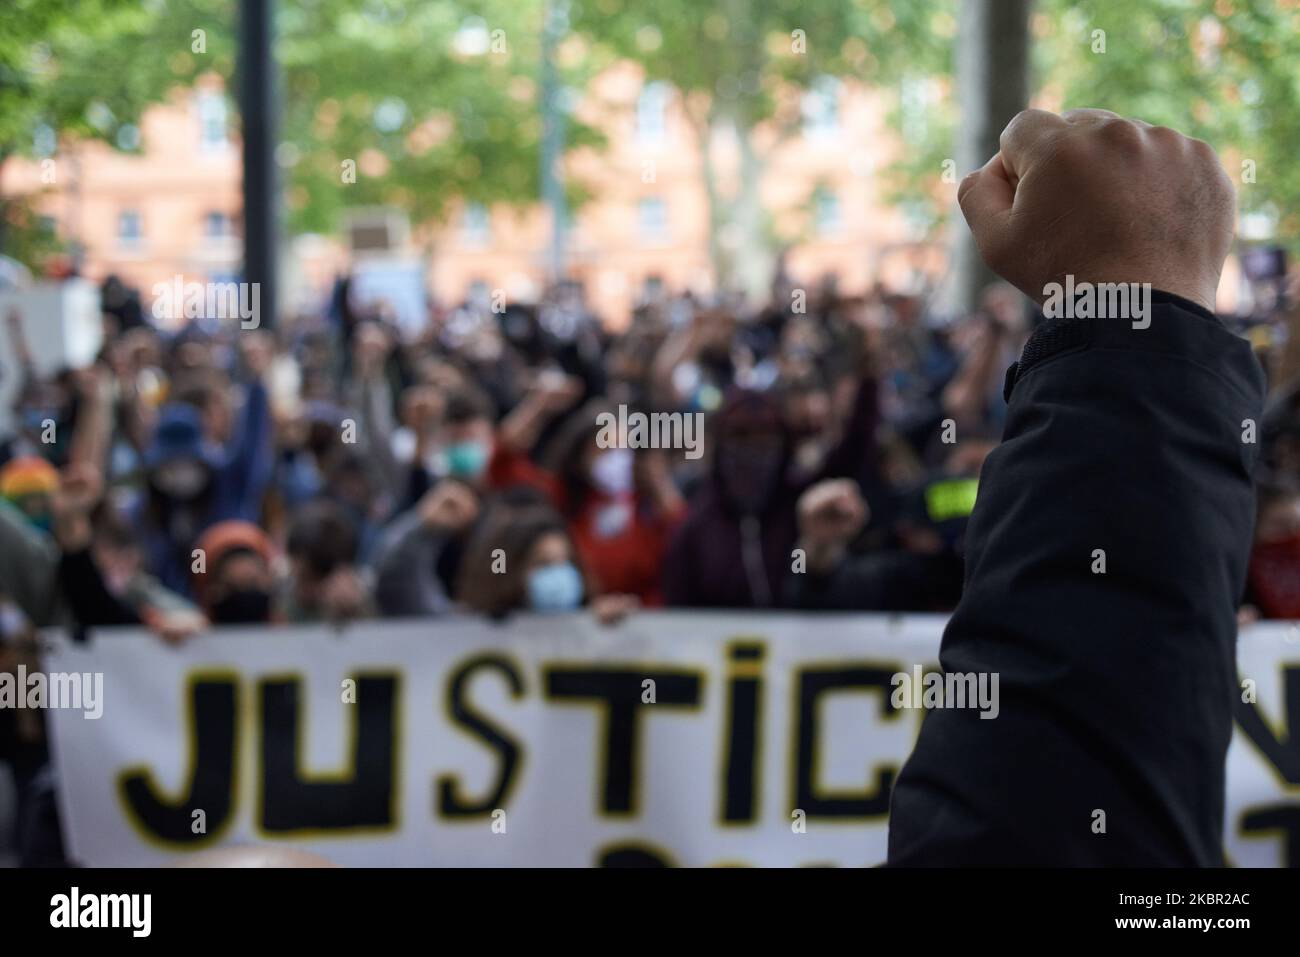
[(720, 265), (993, 80), (753, 253)]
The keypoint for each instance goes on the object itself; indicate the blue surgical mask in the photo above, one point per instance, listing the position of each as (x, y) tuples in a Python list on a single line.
[(555, 588), (467, 460)]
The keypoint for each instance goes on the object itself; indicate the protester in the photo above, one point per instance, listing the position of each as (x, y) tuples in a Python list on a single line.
[(543, 576), (830, 577), (235, 581), (203, 465), (620, 505), (418, 558), (326, 582)]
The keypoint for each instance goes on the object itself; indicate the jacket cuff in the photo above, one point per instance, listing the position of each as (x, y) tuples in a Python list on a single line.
[(1052, 337)]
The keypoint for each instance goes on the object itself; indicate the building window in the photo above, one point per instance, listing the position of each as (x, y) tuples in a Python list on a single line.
[(130, 228), (216, 226), (652, 113), (821, 109), (652, 219), (476, 225), (826, 212), (211, 108)]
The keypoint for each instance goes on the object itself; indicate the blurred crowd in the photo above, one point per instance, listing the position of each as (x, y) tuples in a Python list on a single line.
[(336, 467)]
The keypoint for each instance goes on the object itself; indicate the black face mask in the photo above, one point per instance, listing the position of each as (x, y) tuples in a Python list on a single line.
[(242, 606), (750, 473)]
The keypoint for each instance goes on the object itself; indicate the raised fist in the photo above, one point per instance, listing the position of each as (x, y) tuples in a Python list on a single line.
[(449, 506), (831, 513), (1102, 198)]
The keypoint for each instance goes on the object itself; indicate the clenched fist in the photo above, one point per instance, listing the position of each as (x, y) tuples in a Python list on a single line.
[(831, 513), (449, 506), (1104, 199)]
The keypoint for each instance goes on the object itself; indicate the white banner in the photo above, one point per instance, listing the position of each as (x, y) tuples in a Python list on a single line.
[(685, 739)]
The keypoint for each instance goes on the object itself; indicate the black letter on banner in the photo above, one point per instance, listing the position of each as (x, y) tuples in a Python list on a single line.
[(359, 796), (631, 855), (812, 685), (1277, 817), (213, 733), (744, 694), (463, 714), (1283, 754), (621, 692)]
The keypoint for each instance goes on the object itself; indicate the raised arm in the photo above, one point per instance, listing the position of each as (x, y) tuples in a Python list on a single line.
[(1107, 549), (406, 577)]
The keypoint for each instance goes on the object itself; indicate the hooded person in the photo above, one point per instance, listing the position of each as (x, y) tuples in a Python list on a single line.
[(733, 549)]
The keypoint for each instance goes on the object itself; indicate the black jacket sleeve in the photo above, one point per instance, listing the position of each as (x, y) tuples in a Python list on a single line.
[(1128, 446)]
